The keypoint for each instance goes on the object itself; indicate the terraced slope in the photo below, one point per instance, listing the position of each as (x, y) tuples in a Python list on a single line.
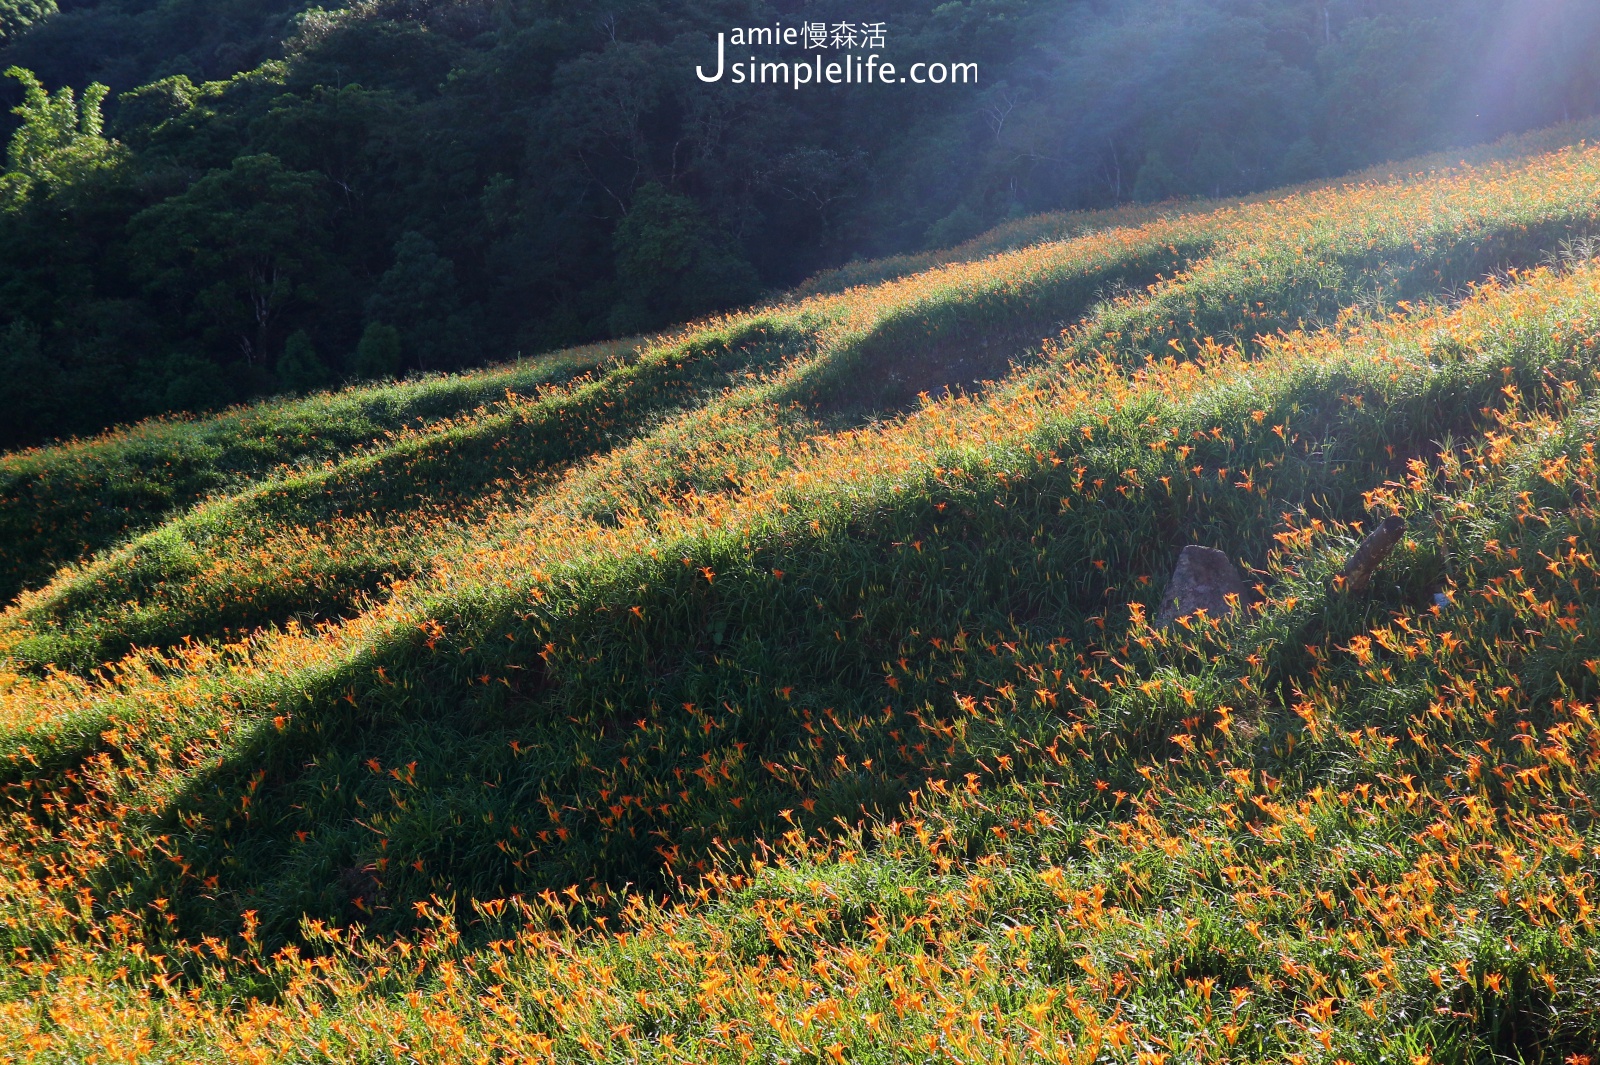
[(1063, 225), (320, 543), (738, 703), (59, 503)]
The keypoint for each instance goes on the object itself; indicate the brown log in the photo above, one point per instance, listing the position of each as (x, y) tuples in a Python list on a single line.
[(1373, 550)]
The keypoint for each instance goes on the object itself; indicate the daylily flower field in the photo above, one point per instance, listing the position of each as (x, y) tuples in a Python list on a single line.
[(785, 688)]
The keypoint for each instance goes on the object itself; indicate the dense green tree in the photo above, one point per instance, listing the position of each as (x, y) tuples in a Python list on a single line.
[(299, 367), (59, 142), (235, 251), (179, 380), (127, 43), (379, 355), (419, 297), (19, 15), (671, 265), (140, 111), (31, 389)]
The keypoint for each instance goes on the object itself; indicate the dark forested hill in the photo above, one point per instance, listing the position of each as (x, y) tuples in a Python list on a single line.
[(267, 198)]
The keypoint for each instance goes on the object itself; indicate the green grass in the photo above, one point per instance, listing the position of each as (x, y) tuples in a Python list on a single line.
[(832, 627), (320, 543), (264, 555), (735, 703), (61, 502), (1064, 225)]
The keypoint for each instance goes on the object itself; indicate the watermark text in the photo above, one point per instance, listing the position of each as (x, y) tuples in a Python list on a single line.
[(854, 60)]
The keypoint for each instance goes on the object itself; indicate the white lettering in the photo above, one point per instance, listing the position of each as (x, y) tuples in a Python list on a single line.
[(700, 71)]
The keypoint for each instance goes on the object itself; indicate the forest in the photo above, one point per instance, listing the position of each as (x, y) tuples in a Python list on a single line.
[(207, 201)]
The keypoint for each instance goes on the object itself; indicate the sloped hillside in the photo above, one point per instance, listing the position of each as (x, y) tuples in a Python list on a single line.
[(787, 689)]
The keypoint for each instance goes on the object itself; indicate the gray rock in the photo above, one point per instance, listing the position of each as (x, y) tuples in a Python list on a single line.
[(1202, 580)]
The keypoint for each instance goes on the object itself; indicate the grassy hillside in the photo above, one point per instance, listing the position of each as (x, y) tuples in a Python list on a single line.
[(785, 691), (59, 503), (1064, 225)]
